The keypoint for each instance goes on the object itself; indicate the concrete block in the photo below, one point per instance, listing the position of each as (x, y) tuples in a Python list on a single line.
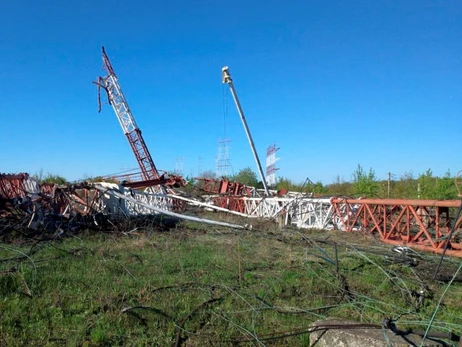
[(362, 337)]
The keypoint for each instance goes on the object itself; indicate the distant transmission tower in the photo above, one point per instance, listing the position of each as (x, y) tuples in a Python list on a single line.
[(223, 163), (199, 166), (222, 159), (179, 165), (271, 164)]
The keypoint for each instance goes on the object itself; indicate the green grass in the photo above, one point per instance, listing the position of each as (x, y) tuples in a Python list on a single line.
[(199, 285)]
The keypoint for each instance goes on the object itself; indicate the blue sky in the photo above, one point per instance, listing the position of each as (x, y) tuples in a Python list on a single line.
[(333, 83)]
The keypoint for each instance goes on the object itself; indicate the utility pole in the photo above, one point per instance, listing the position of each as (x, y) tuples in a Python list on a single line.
[(389, 179), (227, 79)]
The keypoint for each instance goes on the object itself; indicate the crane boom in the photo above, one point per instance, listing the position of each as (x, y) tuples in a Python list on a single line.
[(226, 78), (118, 102)]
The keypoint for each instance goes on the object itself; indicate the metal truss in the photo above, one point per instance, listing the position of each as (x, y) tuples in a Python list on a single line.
[(422, 224), (100, 198), (134, 205), (311, 213), (18, 186), (118, 102), (302, 212)]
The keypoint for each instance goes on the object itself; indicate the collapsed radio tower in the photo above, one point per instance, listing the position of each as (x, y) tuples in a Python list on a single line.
[(118, 102)]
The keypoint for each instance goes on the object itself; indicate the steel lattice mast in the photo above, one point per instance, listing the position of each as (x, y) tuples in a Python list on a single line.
[(117, 99)]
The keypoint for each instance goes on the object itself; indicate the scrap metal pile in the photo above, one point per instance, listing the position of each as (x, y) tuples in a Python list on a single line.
[(27, 205), (424, 224)]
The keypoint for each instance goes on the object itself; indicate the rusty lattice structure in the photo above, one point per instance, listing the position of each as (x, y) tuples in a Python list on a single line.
[(224, 187), (117, 100), (50, 208), (422, 224), (149, 175)]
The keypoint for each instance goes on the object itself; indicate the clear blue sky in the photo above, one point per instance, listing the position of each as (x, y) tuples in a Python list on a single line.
[(333, 83)]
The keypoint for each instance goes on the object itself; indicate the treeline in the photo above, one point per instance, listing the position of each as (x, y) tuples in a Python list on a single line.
[(41, 177), (362, 183), (365, 183)]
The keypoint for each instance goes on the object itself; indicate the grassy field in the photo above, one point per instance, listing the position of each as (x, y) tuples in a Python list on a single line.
[(196, 285)]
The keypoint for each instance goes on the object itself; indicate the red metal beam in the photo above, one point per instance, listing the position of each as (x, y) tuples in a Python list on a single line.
[(224, 187), (393, 202), (423, 224), (12, 186), (171, 180), (148, 169)]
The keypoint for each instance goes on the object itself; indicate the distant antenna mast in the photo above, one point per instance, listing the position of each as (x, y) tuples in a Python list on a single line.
[(222, 164), (226, 77), (222, 159), (271, 164)]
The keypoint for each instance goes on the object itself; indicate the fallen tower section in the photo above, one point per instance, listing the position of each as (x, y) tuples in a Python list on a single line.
[(26, 204), (430, 225)]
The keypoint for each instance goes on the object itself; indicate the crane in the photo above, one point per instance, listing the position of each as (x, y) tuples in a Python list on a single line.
[(226, 78), (118, 102)]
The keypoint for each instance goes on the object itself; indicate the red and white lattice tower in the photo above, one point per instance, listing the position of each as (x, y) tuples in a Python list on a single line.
[(271, 164), (118, 102)]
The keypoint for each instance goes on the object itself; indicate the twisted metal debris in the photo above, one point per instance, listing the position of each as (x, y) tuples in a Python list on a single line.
[(422, 224), (26, 204)]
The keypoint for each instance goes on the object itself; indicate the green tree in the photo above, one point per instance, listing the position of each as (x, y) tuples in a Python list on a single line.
[(365, 183), (246, 176), (406, 187), (51, 178), (310, 187), (339, 187), (436, 188), (446, 187), (426, 185), (318, 188), (285, 183)]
